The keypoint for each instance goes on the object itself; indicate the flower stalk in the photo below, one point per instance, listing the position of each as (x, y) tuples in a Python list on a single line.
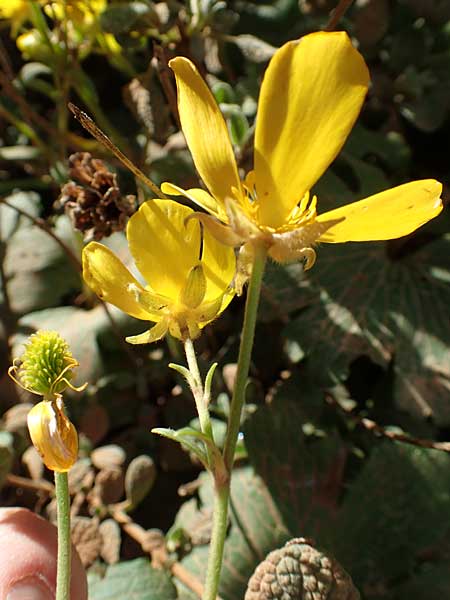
[(199, 393), (64, 543), (222, 486), (45, 369)]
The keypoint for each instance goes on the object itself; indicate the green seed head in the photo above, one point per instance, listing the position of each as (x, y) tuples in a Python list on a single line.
[(46, 365)]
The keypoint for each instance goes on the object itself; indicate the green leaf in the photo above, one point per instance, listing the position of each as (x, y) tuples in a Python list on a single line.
[(362, 300), (189, 438), (431, 581), (133, 580), (393, 513), (121, 18), (298, 470), (238, 126), (256, 528)]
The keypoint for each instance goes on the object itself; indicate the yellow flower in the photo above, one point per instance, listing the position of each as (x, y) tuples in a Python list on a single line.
[(53, 435), (310, 97), (82, 13), (188, 275), (16, 11)]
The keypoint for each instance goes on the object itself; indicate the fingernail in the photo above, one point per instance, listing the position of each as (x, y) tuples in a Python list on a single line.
[(31, 588)]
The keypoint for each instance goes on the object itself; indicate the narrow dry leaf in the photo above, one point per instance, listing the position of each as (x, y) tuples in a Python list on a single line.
[(109, 485), (15, 418), (94, 423), (87, 539), (139, 478), (107, 457), (111, 540), (33, 463), (78, 475)]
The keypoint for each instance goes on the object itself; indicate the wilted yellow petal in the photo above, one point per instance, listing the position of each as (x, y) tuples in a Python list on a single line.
[(205, 131), (53, 435), (311, 95), (388, 215), (163, 245), (152, 335), (111, 280)]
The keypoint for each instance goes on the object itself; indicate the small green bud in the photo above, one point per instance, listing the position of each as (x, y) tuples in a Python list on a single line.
[(45, 367)]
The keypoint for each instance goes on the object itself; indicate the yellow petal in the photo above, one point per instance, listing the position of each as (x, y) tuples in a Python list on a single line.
[(385, 216), (53, 435), (111, 280), (197, 196), (310, 97), (205, 131), (219, 266), (152, 335), (163, 245)]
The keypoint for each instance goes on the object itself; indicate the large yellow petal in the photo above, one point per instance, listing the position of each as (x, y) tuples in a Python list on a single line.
[(310, 97), (205, 131), (385, 216), (163, 245), (219, 266), (111, 280)]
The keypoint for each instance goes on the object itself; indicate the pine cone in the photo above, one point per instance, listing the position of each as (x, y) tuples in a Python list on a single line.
[(300, 572), (93, 201)]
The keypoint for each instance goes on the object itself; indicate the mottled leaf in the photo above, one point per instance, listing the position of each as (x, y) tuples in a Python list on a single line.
[(395, 511), (256, 528), (383, 301), (133, 580)]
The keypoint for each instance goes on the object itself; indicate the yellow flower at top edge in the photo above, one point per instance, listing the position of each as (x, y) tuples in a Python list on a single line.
[(16, 11), (82, 13), (311, 95), (188, 275)]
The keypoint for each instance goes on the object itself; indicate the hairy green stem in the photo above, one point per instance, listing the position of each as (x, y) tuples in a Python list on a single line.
[(64, 543), (199, 394), (222, 486)]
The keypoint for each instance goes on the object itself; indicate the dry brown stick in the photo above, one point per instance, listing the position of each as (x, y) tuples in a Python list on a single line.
[(166, 79), (373, 427), (40, 485), (337, 14)]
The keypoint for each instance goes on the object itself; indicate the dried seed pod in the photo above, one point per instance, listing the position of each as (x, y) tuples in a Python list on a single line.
[(298, 571), (94, 202)]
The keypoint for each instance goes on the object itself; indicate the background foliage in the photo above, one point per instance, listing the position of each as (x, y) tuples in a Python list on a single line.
[(364, 335)]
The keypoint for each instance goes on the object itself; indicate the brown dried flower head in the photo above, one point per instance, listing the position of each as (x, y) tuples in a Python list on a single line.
[(93, 201), (298, 571)]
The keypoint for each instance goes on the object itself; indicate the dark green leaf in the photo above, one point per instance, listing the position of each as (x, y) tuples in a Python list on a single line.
[(256, 528), (393, 513), (364, 301), (133, 580)]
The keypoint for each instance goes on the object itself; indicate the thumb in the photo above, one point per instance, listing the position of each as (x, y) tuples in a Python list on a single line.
[(28, 549)]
